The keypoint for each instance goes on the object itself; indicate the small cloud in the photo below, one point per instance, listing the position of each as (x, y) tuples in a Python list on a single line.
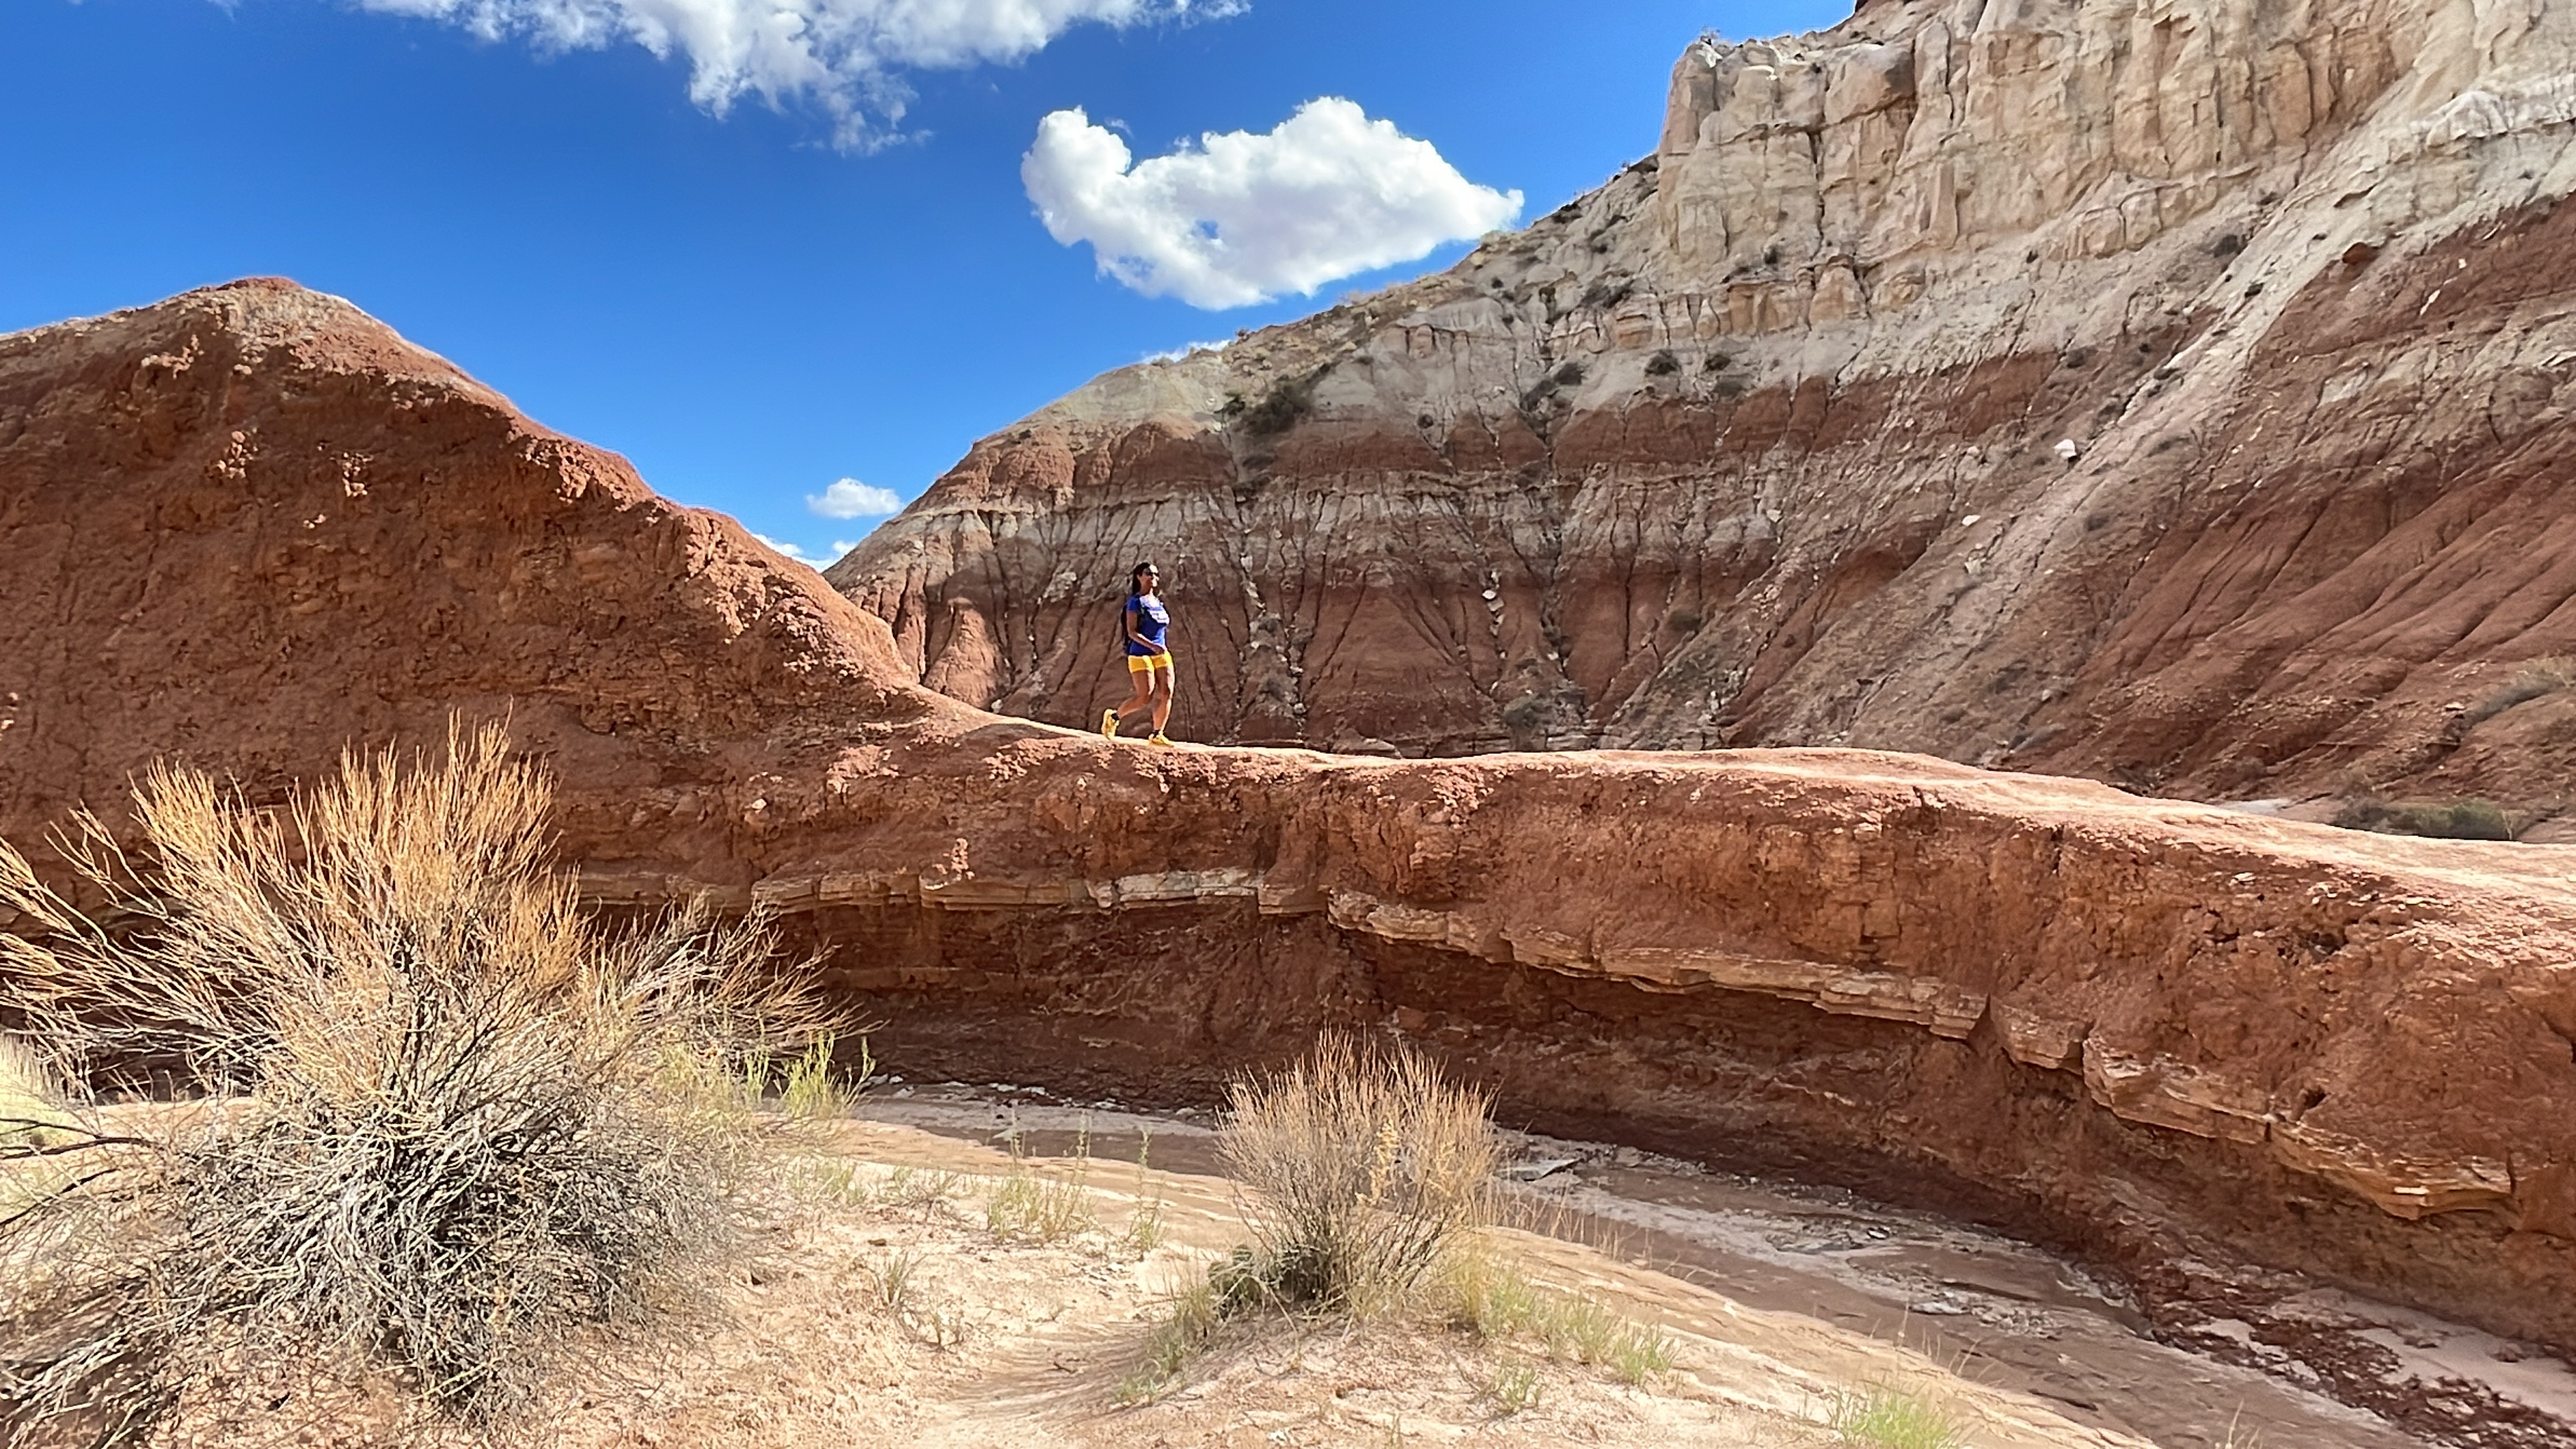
[(1241, 218), (848, 57), (850, 498), (811, 561), (1186, 350)]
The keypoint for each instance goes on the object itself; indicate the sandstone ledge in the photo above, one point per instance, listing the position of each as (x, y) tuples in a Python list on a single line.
[(2064, 926)]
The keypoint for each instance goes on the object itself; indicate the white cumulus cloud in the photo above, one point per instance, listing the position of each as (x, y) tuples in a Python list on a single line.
[(817, 562), (1242, 218), (847, 56), (850, 498), (1184, 352)]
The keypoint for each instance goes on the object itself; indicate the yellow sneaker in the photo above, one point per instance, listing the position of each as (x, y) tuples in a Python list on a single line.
[(1158, 738), (1109, 724)]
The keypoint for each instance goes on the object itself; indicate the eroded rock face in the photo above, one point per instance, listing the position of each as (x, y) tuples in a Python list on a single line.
[(2163, 394), (253, 528)]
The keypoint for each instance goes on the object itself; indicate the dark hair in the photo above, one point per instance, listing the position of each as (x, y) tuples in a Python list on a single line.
[(1136, 576)]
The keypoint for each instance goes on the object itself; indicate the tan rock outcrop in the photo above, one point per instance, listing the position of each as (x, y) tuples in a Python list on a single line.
[(250, 527), (2164, 393)]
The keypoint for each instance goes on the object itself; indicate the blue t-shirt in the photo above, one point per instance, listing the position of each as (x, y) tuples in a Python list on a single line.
[(1151, 622)]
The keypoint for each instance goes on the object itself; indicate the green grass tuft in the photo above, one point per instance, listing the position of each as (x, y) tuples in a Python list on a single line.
[(1192, 1318), (1054, 1206), (1516, 1388), (1881, 1417), (1493, 1300), (1145, 1230)]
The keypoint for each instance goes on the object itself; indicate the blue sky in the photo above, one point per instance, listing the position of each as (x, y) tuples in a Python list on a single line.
[(754, 304)]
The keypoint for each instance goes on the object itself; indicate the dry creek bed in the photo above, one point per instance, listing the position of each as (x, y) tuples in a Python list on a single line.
[(1995, 1313)]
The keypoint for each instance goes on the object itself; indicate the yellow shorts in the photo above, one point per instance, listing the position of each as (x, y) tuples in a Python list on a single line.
[(1148, 663)]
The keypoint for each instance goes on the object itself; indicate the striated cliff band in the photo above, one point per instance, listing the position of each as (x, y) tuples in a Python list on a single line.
[(2229, 1056), (2171, 393)]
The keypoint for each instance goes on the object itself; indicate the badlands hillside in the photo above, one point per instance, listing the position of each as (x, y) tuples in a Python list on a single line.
[(2170, 393), (2239, 1062)]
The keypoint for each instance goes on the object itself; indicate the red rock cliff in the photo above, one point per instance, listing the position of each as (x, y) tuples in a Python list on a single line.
[(250, 527), (2167, 395)]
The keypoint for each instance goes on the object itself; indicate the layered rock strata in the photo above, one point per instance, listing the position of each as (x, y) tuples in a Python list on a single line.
[(2161, 393), (251, 528)]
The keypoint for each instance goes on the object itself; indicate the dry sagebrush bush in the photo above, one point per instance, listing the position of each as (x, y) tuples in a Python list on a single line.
[(1364, 1167), (455, 1139), (1368, 1184), (32, 1110)]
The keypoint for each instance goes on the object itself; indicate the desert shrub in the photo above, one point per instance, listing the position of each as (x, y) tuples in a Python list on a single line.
[(1663, 364), (1606, 291), (2532, 683), (1369, 1193), (1364, 1167), (1283, 406), (1886, 1418), (2450, 819), (922, 1192), (455, 1138), (33, 1110)]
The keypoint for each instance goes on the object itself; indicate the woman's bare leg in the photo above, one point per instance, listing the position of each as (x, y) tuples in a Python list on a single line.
[(1138, 699), (1162, 679)]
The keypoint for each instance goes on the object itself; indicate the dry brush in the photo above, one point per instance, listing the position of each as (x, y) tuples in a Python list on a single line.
[(437, 1139)]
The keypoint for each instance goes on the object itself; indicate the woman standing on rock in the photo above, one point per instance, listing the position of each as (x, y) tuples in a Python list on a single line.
[(1149, 657)]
